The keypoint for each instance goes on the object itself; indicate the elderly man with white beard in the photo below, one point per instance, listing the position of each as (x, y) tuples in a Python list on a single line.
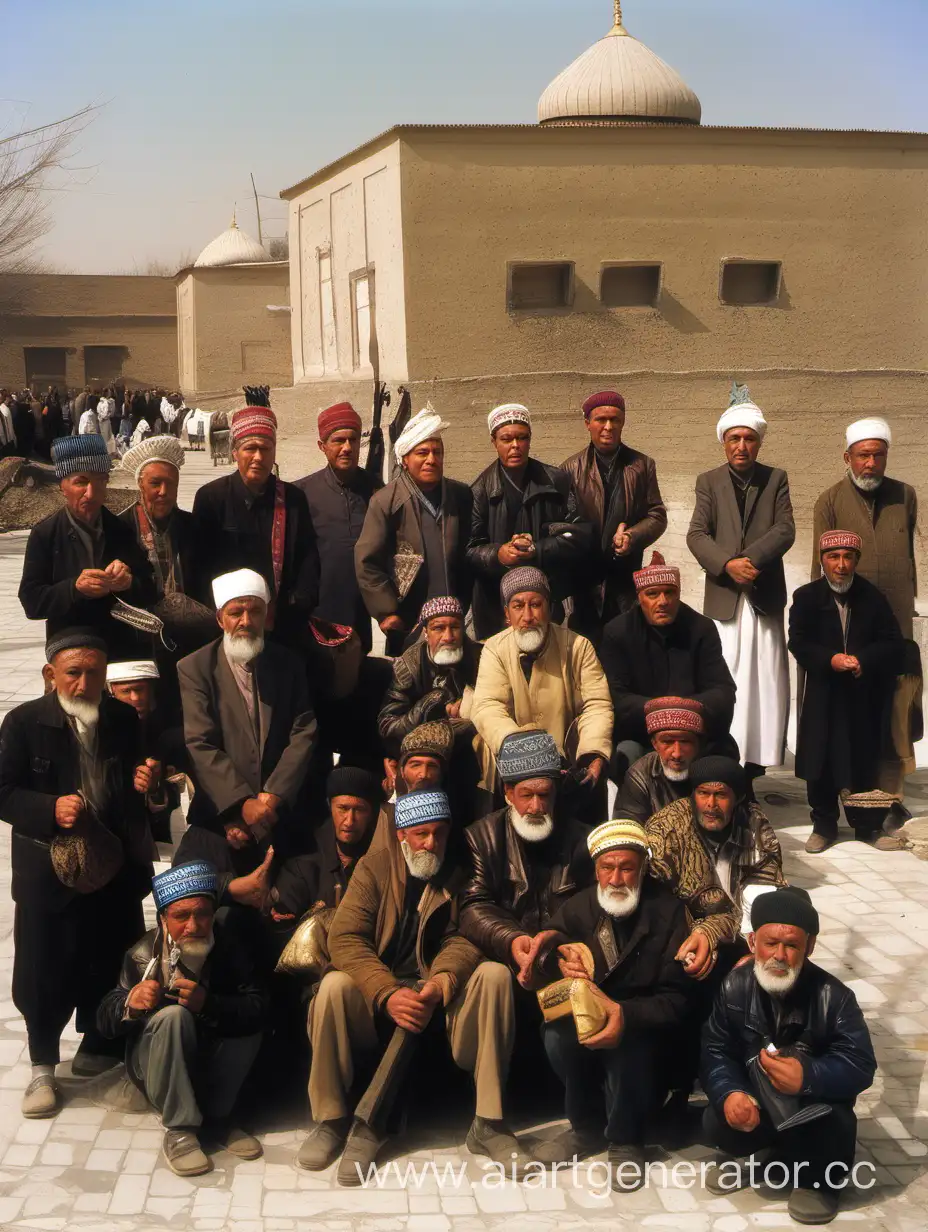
[(250, 731), (786, 1053), (632, 926)]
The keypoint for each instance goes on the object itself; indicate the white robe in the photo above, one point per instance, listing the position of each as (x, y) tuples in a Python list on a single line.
[(754, 647)]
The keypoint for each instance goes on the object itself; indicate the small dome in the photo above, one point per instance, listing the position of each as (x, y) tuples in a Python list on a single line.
[(619, 78), (232, 247)]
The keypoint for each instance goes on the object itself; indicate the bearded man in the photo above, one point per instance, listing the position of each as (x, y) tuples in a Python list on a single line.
[(81, 856), (250, 731), (677, 730), (192, 1009), (782, 1022)]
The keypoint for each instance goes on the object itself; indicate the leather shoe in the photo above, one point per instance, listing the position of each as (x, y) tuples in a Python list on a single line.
[(237, 1141), (817, 843), (183, 1153), (722, 1179), (42, 1098), (323, 1145), (497, 1142), (568, 1144), (359, 1155), (812, 1206), (627, 1166)]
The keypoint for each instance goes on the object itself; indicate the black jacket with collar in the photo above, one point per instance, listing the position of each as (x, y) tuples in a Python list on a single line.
[(317, 878), (643, 975), (820, 1019), (415, 696), (495, 903), (548, 497), (40, 761)]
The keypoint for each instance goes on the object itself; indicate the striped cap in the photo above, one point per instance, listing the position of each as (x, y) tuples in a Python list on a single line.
[(194, 880), (253, 421), (619, 833), (834, 539), (77, 455), (673, 714), (658, 573), (420, 808)]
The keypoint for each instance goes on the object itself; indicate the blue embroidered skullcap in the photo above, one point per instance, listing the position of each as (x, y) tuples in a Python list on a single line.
[(419, 808), (528, 755), (194, 880), (74, 455)]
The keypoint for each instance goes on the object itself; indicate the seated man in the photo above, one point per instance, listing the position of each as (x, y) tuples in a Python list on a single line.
[(676, 728), (528, 858), (66, 760), (250, 731), (810, 1039), (540, 675), (633, 927), (398, 959), (192, 1009), (662, 647)]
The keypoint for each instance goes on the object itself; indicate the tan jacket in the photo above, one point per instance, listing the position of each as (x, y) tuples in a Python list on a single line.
[(369, 915), (568, 696)]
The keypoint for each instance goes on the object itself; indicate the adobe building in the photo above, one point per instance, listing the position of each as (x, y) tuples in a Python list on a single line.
[(233, 318), (621, 243), (72, 330)]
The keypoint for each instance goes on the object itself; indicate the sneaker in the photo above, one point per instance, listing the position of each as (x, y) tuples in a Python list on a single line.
[(812, 1206), (497, 1142), (42, 1097), (626, 1164), (360, 1154), (183, 1153), (568, 1144), (325, 1143), (817, 843)]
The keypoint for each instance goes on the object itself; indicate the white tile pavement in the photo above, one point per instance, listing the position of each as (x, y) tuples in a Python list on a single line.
[(100, 1170)]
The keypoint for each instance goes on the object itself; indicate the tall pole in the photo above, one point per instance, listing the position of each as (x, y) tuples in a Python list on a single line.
[(258, 205)]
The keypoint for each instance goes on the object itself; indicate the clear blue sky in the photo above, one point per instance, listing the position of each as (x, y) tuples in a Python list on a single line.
[(195, 95)]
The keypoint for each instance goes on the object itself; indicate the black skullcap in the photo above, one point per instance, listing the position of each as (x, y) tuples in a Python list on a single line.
[(353, 781), (73, 639), (719, 770), (789, 905)]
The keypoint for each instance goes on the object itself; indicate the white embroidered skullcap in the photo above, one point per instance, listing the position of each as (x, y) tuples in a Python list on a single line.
[(744, 415), (132, 669), (869, 430), (422, 427), (508, 413), (240, 584), (166, 449)]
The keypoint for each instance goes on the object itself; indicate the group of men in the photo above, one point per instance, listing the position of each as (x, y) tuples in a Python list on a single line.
[(458, 868)]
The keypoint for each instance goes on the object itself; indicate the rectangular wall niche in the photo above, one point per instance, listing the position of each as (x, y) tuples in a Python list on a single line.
[(750, 283), (630, 286), (540, 284)]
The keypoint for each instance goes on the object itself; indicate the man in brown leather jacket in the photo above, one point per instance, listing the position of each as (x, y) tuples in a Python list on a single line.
[(618, 493)]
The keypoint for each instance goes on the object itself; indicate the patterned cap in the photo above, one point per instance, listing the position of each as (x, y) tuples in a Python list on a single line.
[(428, 740), (673, 714), (442, 605), (834, 539), (252, 421), (77, 455), (606, 398), (658, 573), (194, 880), (342, 415), (419, 808), (528, 755), (74, 638), (524, 578), (617, 834), (167, 449), (508, 413)]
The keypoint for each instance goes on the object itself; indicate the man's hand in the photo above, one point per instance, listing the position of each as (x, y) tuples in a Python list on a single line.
[(855, 668), (784, 1072), (741, 1112), (408, 1010), (120, 576), (147, 779), (93, 584), (611, 1033), (842, 663), (453, 709), (257, 811), (507, 555), (392, 624), (191, 995), (391, 768), (528, 954), (621, 541), (68, 811), (237, 835), (253, 890), (570, 963), (591, 774), (741, 570), (518, 951), (144, 996), (697, 955)]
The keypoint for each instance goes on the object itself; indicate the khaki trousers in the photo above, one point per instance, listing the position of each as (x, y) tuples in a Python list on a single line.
[(480, 1024)]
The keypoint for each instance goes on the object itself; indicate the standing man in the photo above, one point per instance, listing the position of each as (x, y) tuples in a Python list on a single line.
[(338, 497), (742, 527), (7, 431), (524, 513), (618, 494), (413, 545)]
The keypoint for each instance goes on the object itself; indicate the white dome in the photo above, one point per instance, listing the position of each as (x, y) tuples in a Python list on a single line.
[(619, 78), (232, 247)]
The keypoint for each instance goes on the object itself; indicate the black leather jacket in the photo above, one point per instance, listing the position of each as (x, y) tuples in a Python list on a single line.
[(420, 691), (820, 1019), (498, 904)]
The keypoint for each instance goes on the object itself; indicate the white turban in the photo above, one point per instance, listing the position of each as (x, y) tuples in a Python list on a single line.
[(132, 669), (242, 584), (166, 449), (422, 427), (869, 430), (742, 415), (508, 413)]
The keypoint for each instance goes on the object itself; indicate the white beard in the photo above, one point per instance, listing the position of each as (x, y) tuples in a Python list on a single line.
[(865, 484), (530, 641), (447, 656), (242, 649), (423, 865), (531, 831), (841, 588), (774, 982), (85, 713), (674, 776), (619, 903)]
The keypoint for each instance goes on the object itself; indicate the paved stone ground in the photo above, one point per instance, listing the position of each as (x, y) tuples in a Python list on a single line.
[(99, 1170)]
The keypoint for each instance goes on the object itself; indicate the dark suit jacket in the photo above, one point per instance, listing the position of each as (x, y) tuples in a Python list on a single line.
[(228, 766), (189, 542), (40, 761)]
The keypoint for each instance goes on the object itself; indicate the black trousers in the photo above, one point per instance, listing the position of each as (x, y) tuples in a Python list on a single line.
[(67, 960), (808, 1150), (822, 795)]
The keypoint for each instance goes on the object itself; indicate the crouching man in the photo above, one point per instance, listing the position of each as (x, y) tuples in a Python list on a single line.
[(811, 1046), (399, 961), (190, 1001)]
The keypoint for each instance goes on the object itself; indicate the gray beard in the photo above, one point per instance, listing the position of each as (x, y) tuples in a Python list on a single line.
[(531, 831), (86, 713), (674, 776), (840, 588), (777, 985), (530, 641), (423, 865), (619, 903), (241, 649), (447, 656), (868, 484)]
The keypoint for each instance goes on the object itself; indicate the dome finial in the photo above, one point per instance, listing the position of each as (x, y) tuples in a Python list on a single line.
[(618, 28)]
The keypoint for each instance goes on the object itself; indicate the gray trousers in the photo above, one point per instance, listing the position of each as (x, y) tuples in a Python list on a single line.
[(185, 1078)]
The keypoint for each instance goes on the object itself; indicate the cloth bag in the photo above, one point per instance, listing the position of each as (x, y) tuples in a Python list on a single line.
[(88, 856), (307, 951)]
